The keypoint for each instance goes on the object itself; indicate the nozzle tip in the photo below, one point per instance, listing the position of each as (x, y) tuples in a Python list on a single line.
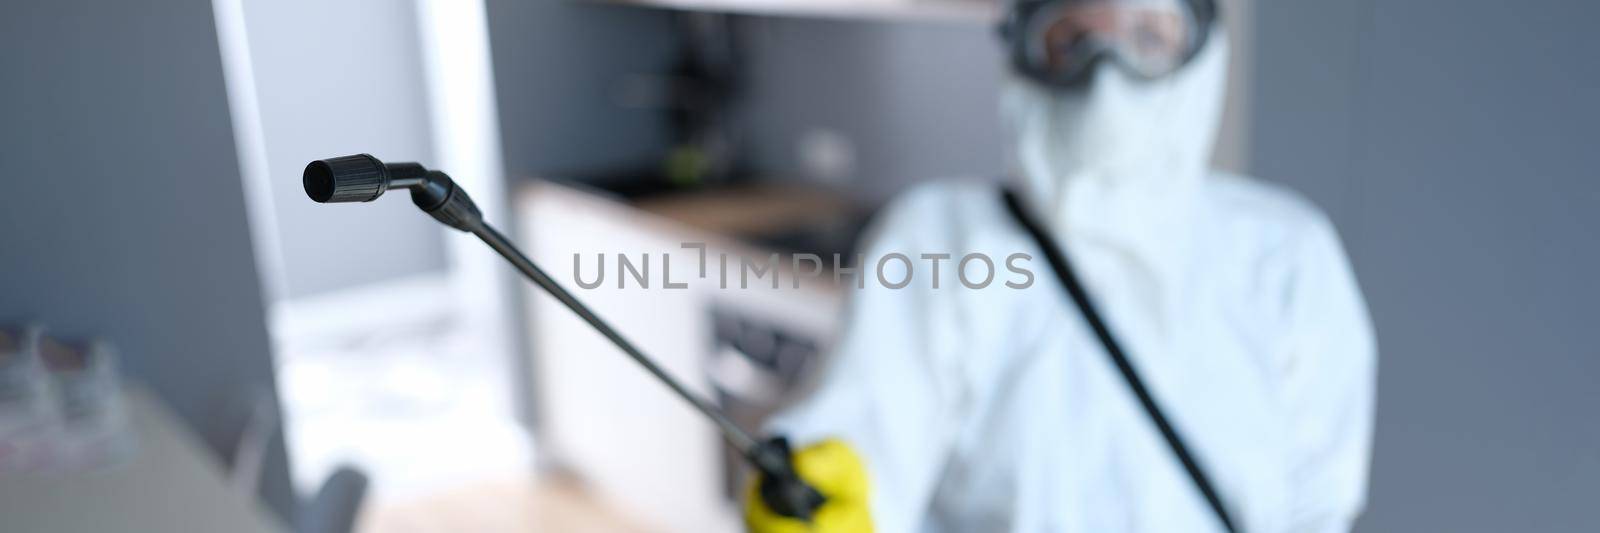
[(318, 181), (352, 178)]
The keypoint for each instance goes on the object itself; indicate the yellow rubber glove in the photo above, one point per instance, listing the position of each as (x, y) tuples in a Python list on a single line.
[(834, 470)]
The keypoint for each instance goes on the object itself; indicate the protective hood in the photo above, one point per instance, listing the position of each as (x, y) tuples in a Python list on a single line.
[(1121, 162)]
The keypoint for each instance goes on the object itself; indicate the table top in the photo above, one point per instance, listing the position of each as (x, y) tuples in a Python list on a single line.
[(549, 502), (170, 483)]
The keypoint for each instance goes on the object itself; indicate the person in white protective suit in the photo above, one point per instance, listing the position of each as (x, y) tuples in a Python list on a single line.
[(986, 410)]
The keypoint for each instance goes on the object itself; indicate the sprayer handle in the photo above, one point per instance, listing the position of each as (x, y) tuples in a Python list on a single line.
[(780, 486)]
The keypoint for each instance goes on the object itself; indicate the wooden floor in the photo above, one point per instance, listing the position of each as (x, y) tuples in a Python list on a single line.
[(546, 505)]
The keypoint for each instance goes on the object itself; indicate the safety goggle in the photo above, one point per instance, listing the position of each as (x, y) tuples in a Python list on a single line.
[(1059, 42)]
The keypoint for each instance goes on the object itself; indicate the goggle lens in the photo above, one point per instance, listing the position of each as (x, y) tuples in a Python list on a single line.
[(1060, 41)]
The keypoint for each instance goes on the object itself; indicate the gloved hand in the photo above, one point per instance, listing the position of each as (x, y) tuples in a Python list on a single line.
[(831, 467)]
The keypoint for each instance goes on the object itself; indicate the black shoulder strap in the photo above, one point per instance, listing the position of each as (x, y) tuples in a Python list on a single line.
[(1058, 261)]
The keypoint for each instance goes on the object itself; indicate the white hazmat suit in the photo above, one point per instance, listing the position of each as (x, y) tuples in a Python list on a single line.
[(996, 409)]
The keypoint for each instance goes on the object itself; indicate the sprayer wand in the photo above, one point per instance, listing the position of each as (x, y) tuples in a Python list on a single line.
[(363, 178)]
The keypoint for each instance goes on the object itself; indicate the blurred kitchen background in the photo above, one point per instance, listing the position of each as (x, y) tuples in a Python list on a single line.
[(310, 367)]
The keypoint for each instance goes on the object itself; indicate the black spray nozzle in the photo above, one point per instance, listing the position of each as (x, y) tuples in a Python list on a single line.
[(363, 178)]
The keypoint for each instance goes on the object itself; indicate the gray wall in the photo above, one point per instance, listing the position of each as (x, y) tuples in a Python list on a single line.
[(1454, 143), (338, 78), (560, 67), (917, 100), (125, 213)]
